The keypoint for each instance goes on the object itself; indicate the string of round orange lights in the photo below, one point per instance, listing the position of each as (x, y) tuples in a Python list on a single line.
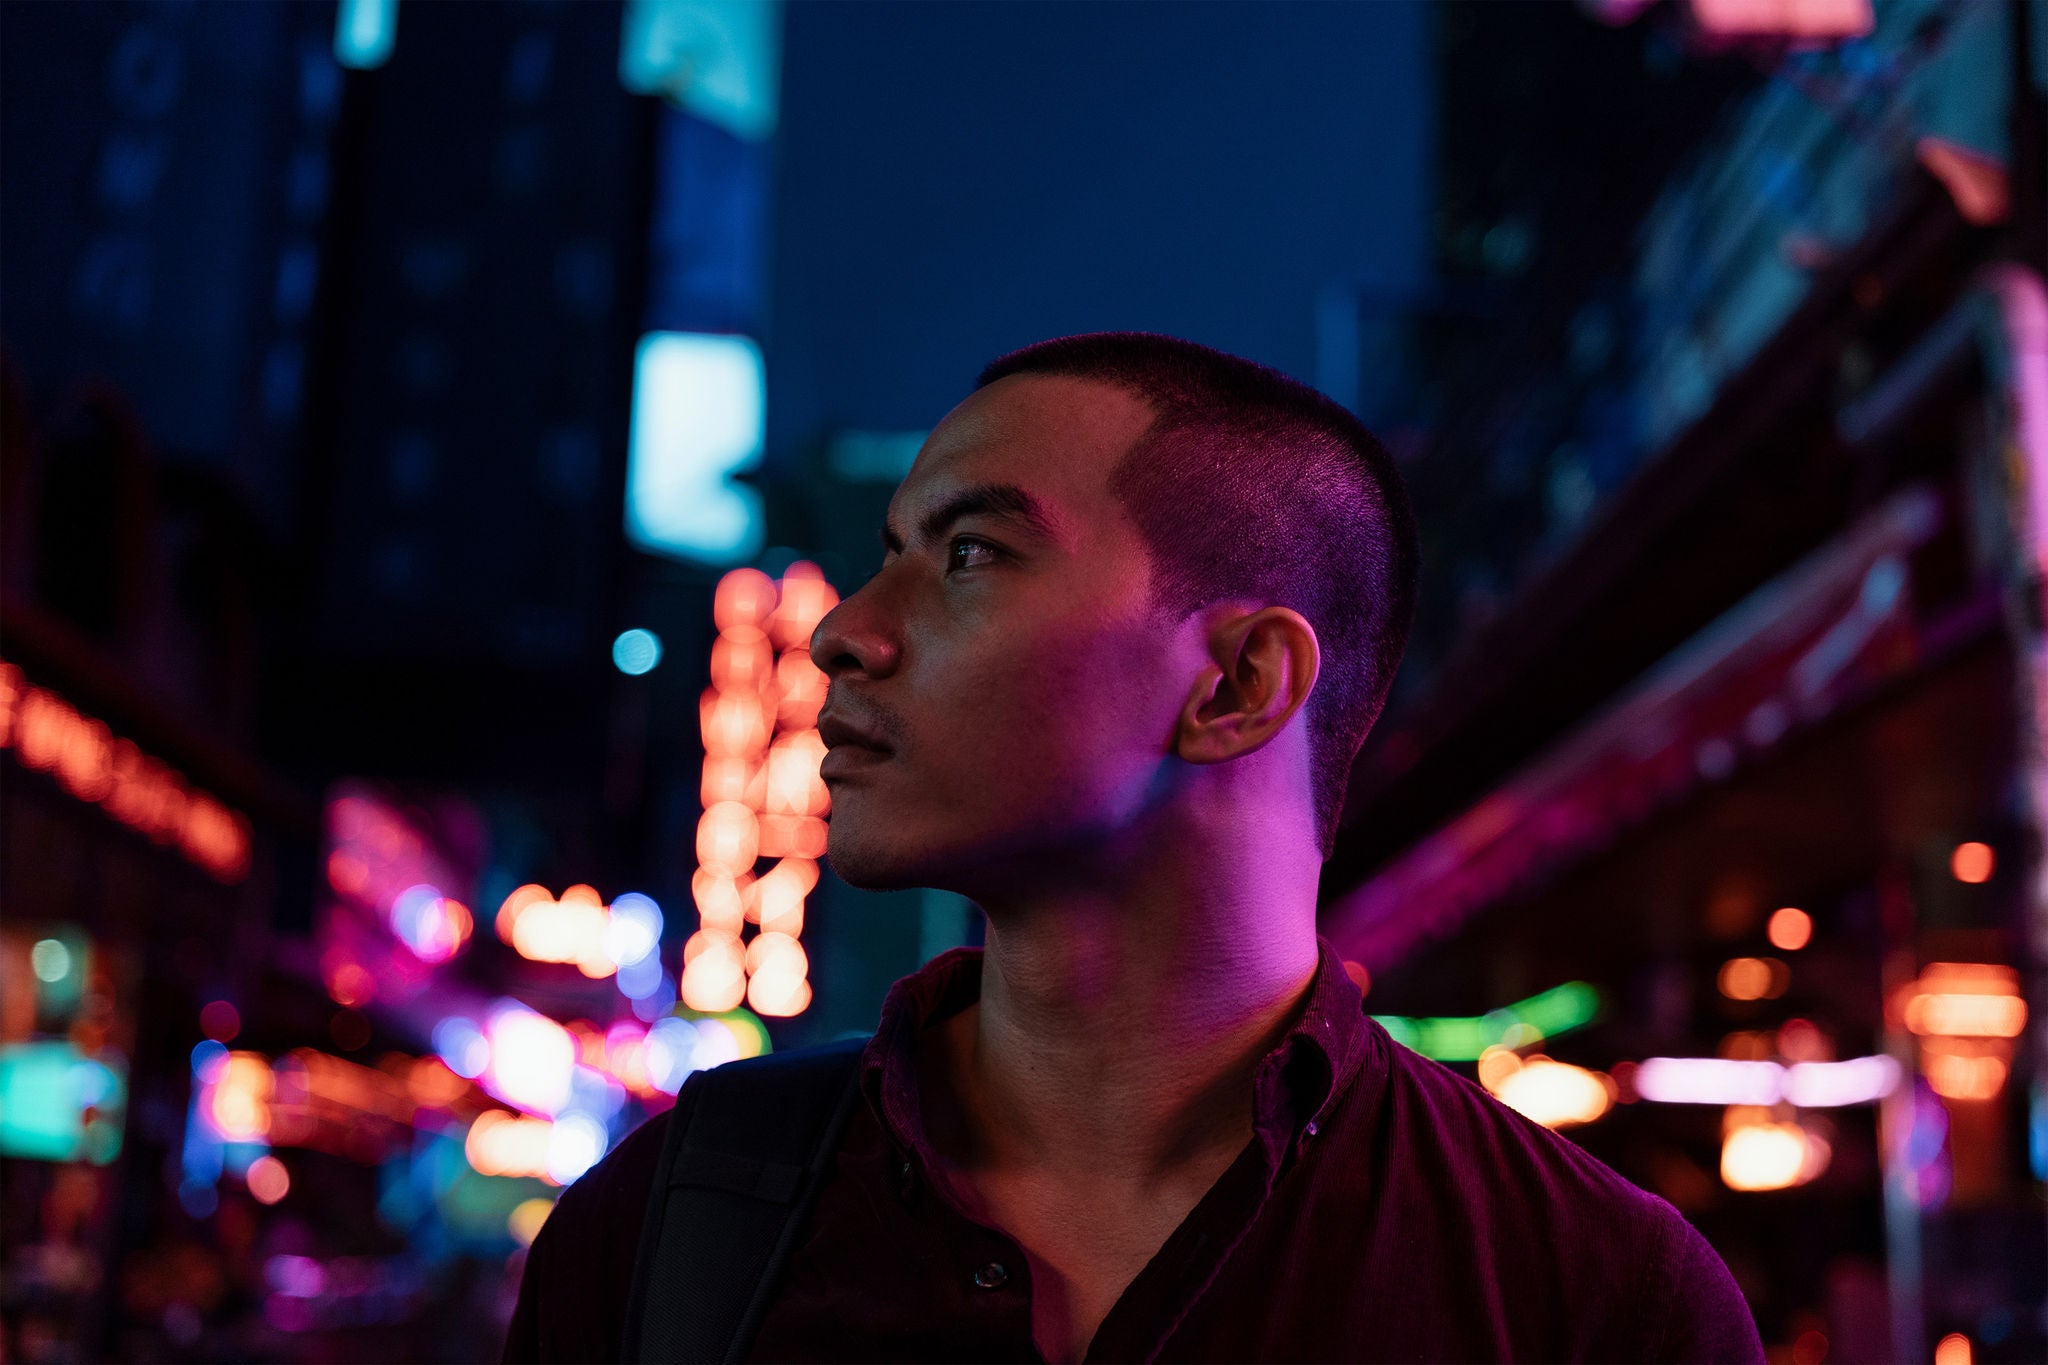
[(761, 793)]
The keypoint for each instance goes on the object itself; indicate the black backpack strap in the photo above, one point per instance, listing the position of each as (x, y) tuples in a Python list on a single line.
[(730, 1195)]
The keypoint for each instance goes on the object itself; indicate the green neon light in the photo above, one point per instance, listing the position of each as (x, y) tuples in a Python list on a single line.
[(58, 1104), (1461, 1038)]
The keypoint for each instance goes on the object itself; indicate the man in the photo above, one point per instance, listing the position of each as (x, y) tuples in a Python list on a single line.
[(1139, 604)]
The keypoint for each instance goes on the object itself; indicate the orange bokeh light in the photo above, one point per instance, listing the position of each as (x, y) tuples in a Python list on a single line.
[(515, 905), (742, 604), (1973, 863), (792, 836), (720, 898), (1964, 1076), (741, 665), (571, 928), (714, 972), (728, 838), (430, 1084), (1790, 929), (802, 685), (239, 1106), (794, 787), (806, 597), (1966, 1000), (1753, 978), (733, 722), (734, 777), (268, 1180), (503, 1143)]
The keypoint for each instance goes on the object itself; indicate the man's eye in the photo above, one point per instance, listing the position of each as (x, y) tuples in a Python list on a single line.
[(965, 542)]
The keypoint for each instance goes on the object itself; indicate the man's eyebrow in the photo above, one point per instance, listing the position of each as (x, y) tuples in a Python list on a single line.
[(984, 499)]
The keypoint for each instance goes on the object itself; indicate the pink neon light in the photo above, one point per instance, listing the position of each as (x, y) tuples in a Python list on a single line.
[(1828, 1085), (1709, 1080), (1805, 20), (1809, 1085)]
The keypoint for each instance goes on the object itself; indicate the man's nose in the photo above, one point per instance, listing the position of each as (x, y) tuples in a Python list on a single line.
[(853, 637)]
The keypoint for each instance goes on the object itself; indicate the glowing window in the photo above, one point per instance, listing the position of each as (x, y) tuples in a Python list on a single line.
[(698, 410), (364, 31), (719, 59)]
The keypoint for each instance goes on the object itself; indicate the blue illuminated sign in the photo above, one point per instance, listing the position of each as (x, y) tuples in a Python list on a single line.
[(719, 59), (364, 31), (699, 406)]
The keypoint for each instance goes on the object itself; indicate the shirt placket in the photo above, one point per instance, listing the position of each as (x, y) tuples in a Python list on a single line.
[(985, 1269), (1151, 1309)]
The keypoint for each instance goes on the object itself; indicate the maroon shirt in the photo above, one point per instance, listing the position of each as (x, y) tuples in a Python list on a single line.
[(1386, 1208)]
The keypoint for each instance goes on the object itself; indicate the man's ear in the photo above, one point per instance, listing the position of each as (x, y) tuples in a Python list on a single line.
[(1262, 665)]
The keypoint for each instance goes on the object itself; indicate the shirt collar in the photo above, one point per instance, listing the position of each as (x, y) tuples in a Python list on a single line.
[(1295, 1086)]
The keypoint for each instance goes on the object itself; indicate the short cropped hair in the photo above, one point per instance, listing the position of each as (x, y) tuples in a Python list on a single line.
[(1251, 484)]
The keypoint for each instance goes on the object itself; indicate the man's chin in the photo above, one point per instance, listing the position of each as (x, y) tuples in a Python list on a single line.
[(859, 864)]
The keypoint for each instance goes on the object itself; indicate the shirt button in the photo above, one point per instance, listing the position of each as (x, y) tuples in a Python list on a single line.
[(991, 1276), (1311, 1131)]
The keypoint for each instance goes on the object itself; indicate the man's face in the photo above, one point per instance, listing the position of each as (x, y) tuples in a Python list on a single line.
[(1027, 700)]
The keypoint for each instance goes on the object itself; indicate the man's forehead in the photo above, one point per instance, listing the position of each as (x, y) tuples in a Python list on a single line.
[(1055, 436)]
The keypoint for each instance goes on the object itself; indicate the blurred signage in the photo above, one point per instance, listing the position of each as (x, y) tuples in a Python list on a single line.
[(699, 409), (58, 1103), (49, 735), (399, 876), (719, 59), (1826, 632), (1561, 1009), (364, 32), (1803, 21)]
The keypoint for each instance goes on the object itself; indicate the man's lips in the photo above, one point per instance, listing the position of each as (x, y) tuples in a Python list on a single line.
[(836, 729), (844, 759)]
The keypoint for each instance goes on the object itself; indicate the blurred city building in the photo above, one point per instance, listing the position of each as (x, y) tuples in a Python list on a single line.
[(1724, 716)]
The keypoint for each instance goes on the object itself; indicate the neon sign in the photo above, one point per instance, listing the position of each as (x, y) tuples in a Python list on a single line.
[(49, 735)]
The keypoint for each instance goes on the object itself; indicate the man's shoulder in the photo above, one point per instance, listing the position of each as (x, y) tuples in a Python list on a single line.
[(578, 1274), (597, 1219), (1488, 1150), (624, 1180), (1618, 1261)]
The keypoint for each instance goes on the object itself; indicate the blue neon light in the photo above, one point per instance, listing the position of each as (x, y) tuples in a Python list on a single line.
[(719, 59), (699, 405), (364, 32)]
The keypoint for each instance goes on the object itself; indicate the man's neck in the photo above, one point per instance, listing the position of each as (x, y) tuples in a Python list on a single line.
[(1119, 1047)]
